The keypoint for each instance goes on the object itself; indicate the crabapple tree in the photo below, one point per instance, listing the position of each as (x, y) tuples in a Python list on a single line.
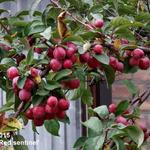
[(55, 56)]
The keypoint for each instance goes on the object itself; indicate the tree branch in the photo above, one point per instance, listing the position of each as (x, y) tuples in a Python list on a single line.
[(147, 4), (4, 27), (139, 100), (19, 109)]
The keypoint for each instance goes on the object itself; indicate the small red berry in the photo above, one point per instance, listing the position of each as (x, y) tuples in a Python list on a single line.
[(67, 64), (73, 84), (50, 52), (138, 53), (134, 62), (61, 115), (113, 62), (38, 122), (29, 84), (93, 63), (120, 66), (146, 136), (52, 101), (15, 82), (144, 63), (55, 65), (99, 23), (59, 53), (73, 58), (122, 120), (98, 49), (112, 108), (124, 41), (39, 112), (38, 50), (63, 104), (48, 109), (29, 114), (12, 72), (24, 95), (143, 127), (34, 72), (85, 57)]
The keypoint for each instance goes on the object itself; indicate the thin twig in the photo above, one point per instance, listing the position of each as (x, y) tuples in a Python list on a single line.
[(147, 4), (4, 27), (19, 110)]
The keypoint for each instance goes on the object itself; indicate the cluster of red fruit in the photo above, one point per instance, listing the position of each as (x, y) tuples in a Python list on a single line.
[(115, 64), (24, 93), (53, 108), (88, 58), (62, 57), (138, 58), (123, 120)]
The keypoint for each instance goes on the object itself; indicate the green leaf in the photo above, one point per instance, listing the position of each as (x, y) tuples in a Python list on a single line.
[(104, 59), (102, 111), (61, 74), (22, 13), (21, 82), (36, 99), (76, 93), (3, 10), (1, 1), (7, 106), (135, 133), (131, 86), (47, 33), (86, 97), (52, 126), (51, 85), (19, 138), (73, 38), (36, 29), (94, 124), (8, 61), (42, 92), (80, 142), (119, 143), (30, 57), (94, 143), (10, 95), (122, 106), (88, 35), (34, 6), (110, 74), (119, 21)]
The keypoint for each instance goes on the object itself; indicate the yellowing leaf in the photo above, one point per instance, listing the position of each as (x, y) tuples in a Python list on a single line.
[(38, 79), (14, 123), (6, 128), (107, 147), (117, 43), (14, 35), (61, 26)]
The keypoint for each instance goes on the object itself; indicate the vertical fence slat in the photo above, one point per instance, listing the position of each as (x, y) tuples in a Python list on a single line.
[(44, 139)]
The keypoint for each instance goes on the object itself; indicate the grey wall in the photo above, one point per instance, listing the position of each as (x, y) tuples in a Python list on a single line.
[(68, 133)]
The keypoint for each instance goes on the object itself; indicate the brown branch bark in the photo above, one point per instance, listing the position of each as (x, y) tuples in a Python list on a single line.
[(4, 27), (139, 100), (19, 110)]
